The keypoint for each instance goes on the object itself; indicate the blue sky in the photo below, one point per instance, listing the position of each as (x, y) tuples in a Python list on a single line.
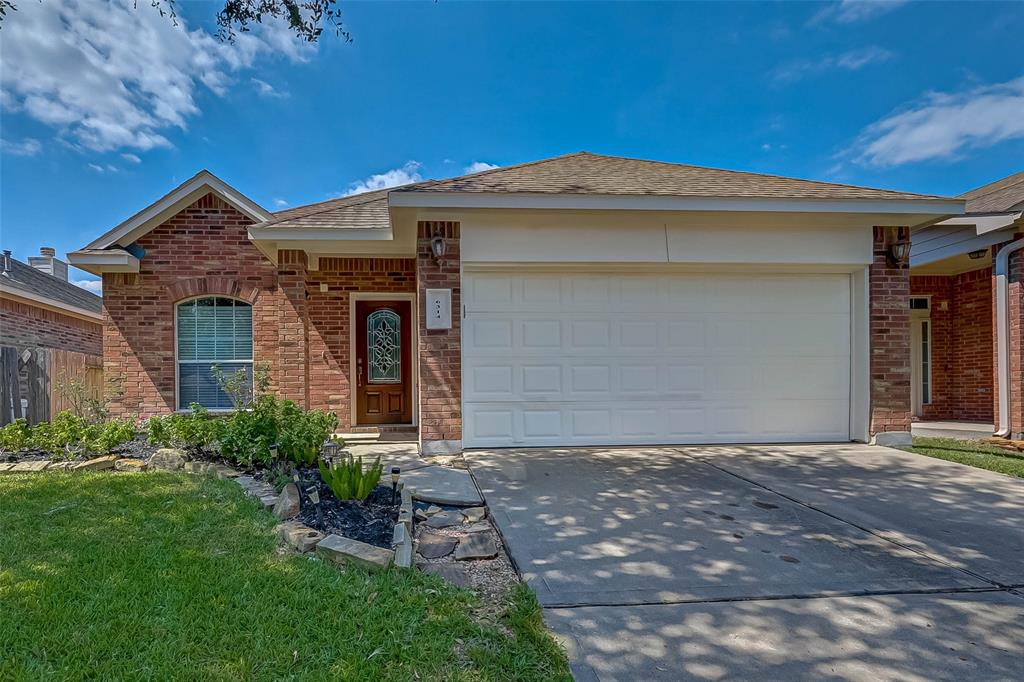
[(914, 96)]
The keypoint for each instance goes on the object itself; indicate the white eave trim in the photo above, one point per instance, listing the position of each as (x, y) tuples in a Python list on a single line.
[(315, 234), (49, 304), (986, 223), (189, 191), (663, 203), (98, 262)]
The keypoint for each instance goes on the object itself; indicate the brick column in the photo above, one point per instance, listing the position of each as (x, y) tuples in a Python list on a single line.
[(1015, 318), (890, 345), (293, 348), (440, 350)]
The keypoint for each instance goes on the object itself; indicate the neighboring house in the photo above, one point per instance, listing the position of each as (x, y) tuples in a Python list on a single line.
[(959, 284), (579, 300), (48, 326)]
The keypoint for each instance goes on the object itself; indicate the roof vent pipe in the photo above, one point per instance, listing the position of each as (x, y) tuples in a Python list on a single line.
[(7, 262), (1003, 333)]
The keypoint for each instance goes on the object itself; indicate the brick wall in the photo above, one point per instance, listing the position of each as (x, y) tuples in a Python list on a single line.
[(440, 350), (962, 337), (24, 325), (203, 249), (890, 341), (330, 331), (292, 328)]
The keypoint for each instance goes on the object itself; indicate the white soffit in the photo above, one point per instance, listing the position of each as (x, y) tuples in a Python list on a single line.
[(177, 199), (985, 223), (931, 207), (104, 260)]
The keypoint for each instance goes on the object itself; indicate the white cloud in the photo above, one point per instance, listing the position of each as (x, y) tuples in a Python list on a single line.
[(943, 125), (131, 158), (280, 203), (479, 166), (392, 178), (112, 76), (851, 60), (265, 89), (96, 167), (853, 11), (93, 285), (27, 147)]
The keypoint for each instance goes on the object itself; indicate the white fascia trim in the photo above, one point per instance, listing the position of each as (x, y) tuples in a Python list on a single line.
[(139, 224), (985, 223), (49, 303), (285, 234), (98, 262), (660, 203)]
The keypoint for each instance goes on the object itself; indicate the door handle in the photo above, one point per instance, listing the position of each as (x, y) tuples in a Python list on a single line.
[(359, 373)]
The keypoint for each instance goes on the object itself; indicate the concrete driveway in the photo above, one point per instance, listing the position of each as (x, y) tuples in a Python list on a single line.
[(837, 562)]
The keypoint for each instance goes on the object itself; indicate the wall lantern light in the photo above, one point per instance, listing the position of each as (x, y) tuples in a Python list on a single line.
[(437, 246), (977, 255), (898, 252)]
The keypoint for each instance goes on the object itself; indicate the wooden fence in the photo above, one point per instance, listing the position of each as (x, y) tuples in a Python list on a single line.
[(35, 382)]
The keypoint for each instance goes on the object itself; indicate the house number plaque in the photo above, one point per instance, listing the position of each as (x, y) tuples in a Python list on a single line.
[(439, 308)]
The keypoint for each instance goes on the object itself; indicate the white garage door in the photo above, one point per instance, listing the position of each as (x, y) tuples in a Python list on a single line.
[(595, 359)]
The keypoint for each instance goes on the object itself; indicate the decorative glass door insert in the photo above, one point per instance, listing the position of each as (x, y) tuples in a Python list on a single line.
[(384, 347)]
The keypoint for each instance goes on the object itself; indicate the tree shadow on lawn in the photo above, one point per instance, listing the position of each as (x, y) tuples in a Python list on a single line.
[(171, 576)]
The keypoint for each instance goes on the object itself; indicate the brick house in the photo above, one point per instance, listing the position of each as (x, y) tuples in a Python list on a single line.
[(46, 323), (578, 300), (959, 337)]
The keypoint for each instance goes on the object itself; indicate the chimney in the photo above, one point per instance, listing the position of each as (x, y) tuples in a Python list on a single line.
[(48, 262)]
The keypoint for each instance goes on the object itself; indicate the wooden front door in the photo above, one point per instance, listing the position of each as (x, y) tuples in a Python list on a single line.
[(383, 362)]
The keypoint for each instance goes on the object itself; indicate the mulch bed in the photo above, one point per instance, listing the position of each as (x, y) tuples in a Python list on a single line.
[(371, 521)]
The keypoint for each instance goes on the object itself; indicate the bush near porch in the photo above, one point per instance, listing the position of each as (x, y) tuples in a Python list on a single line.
[(169, 576)]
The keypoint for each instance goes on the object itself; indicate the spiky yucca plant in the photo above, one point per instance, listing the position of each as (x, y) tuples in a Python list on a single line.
[(347, 479)]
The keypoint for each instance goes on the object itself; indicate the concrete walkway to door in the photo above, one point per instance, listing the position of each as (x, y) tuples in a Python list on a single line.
[(771, 562)]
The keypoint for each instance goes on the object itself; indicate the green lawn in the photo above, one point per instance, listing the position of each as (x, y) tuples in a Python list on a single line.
[(973, 453), (170, 576)]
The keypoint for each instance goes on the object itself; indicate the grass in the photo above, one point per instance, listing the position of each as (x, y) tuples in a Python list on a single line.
[(972, 453), (169, 576)]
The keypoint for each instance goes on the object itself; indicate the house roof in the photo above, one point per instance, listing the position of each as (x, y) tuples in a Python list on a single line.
[(37, 285), (997, 197), (587, 173), (357, 211)]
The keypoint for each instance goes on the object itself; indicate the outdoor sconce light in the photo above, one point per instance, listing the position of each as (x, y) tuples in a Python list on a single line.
[(977, 255), (898, 253), (437, 246), (395, 471)]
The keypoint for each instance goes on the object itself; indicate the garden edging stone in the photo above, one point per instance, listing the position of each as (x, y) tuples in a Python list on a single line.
[(342, 550)]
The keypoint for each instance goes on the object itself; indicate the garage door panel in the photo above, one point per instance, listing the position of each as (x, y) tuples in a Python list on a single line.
[(582, 359)]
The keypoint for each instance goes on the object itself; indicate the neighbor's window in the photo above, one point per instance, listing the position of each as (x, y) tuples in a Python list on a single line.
[(211, 331)]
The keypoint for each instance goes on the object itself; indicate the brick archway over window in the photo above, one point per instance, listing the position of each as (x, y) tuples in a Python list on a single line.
[(213, 286)]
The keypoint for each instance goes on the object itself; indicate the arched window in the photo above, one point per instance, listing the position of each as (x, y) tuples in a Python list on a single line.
[(212, 331)]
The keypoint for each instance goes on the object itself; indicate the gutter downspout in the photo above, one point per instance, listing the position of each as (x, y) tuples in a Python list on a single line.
[(1003, 333)]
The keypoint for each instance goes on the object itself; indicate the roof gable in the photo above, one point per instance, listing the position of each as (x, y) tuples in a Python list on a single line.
[(1002, 195), (183, 195)]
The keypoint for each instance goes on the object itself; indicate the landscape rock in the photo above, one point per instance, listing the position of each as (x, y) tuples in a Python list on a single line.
[(299, 537), (453, 573), (343, 550), (445, 520), (29, 467), (419, 514), (434, 546), (96, 463), (475, 514), (481, 527), (400, 535), (403, 555), (476, 546), (287, 505), (169, 459), (130, 464), (433, 509)]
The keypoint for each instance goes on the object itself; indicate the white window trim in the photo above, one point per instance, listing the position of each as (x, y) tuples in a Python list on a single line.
[(178, 363), (926, 338)]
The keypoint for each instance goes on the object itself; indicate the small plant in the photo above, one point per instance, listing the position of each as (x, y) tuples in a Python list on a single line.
[(249, 433), (302, 433), (348, 480), (70, 435), (195, 431), (15, 436)]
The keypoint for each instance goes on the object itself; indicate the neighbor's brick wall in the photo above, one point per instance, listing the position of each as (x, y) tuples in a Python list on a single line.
[(890, 342), (440, 350), (204, 249), (330, 331), (962, 338), (24, 325)]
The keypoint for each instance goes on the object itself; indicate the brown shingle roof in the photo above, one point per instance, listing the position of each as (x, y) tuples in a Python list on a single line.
[(366, 210), (586, 173), (998, 196), (26, 278)]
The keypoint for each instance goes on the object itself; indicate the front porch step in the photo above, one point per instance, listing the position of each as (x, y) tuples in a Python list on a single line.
[(381, 434)]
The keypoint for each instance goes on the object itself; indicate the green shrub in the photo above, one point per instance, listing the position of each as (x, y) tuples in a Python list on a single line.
[(248, 434), (113, 433), (300, 434), (347, 479), (15, 436), (195, 430), (70, 435)]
